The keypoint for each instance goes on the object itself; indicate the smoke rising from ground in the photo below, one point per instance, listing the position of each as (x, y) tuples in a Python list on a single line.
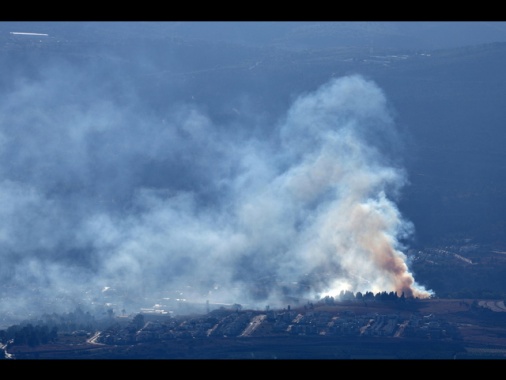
[(98, 190)]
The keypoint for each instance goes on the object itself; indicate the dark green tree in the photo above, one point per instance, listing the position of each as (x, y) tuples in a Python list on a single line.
[(138, 321)]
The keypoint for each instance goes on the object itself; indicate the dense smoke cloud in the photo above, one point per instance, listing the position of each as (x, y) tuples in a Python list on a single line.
[(97, 190)]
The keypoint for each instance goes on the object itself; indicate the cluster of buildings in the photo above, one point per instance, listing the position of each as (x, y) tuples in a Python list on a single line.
[(239, 323)]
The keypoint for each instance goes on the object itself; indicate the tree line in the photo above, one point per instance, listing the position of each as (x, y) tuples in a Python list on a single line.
[(346, 295)]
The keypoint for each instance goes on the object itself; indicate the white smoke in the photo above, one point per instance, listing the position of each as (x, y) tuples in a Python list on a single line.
[(314, 211), (93, 195)]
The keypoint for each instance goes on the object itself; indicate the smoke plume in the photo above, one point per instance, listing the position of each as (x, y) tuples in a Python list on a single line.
[(99, 191)]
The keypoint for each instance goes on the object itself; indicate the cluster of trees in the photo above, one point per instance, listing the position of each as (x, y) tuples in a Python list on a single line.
[(29, 334), (69, 322), (346, 295), (45, 329)]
